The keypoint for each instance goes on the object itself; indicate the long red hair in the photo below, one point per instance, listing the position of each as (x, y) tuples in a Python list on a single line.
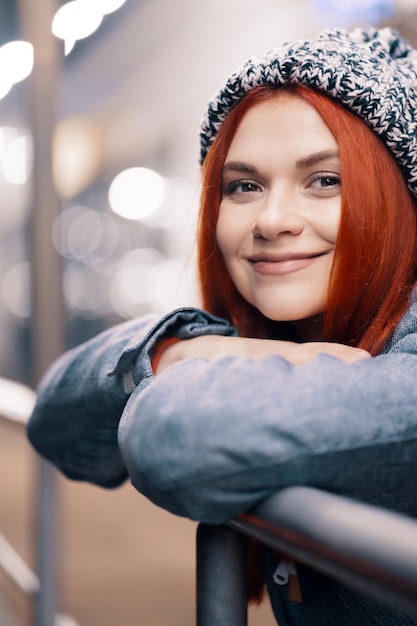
[(374, 265)]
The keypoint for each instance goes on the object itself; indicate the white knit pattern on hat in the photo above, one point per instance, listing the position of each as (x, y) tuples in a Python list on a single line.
[(373, 73)]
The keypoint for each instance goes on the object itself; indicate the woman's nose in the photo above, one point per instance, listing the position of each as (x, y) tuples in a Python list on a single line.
[(278, 215)]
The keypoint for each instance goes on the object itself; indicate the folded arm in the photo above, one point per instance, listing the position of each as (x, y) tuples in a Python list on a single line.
[(208, 439)]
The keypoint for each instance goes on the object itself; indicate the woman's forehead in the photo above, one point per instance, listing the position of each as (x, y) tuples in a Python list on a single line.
[(284, 121)]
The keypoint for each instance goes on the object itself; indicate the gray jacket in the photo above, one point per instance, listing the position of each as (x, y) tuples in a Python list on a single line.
[(210, 439)]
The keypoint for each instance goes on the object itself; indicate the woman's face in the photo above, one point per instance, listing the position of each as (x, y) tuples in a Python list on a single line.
[(280, 208)]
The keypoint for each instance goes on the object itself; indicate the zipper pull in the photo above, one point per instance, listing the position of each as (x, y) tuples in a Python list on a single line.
[(281, 574), (285, 573)]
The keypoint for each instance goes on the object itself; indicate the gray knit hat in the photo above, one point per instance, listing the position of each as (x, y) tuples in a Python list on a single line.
[(373, 73)]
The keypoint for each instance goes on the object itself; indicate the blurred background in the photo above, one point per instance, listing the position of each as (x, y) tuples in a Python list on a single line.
[(123, 85)]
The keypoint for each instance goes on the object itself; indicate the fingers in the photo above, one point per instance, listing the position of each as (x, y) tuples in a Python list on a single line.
[(347, 354)]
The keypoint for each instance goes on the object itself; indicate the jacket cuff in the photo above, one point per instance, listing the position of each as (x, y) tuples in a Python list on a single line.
[(134, 363)]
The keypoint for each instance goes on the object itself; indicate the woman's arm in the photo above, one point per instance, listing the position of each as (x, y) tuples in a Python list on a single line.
[(79, 404), (216, 347), (209, 439)]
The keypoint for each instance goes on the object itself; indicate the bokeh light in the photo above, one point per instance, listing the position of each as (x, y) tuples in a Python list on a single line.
[(17, 160), (15, 167), (16, 63), (76, 20), (79, 19), (137, 193), (85, 235), (76, 155), (16, 60)]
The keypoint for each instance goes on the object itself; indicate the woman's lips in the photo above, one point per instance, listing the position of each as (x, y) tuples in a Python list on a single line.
[(283, 264)]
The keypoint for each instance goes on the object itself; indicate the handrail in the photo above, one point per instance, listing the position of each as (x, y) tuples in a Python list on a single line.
[(369, 548)]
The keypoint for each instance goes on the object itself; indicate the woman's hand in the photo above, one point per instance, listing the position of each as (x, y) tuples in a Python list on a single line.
[(217, 346)]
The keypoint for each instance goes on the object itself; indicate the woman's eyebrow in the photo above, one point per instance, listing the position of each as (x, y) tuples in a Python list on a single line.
[(237, 166), (317, 157)]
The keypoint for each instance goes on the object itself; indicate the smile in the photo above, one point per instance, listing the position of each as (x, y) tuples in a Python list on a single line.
[(283, 264)]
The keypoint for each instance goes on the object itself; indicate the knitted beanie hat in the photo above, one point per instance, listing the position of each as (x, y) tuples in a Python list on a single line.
[(372, 73)]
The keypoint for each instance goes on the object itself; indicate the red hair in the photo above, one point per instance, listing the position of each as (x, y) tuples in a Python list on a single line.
[(374, 265)]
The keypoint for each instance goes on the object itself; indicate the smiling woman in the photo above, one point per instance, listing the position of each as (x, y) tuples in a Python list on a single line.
[(300, 367), (367, 266)]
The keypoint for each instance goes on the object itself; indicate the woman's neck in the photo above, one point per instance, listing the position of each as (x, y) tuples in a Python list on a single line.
[(310, 329)]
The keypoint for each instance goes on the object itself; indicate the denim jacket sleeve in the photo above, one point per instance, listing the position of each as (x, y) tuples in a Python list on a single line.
[(82, 396), (208, 440)]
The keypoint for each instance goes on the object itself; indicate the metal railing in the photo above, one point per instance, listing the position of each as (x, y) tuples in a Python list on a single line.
[(367, 547)]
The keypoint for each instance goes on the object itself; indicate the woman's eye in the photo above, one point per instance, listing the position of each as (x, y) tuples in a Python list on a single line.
[(325, 181), (240, 187), (330, 181)]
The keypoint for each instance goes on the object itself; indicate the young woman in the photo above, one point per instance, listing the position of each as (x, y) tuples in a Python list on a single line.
[(300, 367)]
